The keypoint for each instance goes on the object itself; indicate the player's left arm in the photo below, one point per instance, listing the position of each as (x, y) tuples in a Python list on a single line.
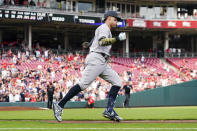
[(106, 41), (103, 41)]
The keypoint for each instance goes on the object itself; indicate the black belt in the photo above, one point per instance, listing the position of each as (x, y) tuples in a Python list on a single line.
[(103, 54)]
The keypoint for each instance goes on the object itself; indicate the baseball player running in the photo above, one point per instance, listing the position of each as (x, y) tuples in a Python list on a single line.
[(97, 65)]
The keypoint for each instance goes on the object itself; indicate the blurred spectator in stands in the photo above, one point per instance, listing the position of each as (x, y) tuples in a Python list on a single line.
[(14, 97), (12, 2), (37, 54), (168, 50), (179, 52), (43, 92), (174, 50), (39, 97), (37, 45), (25, 3), (142, 59), (32, 3), (46, 54), (22, 96), (27, 53), (16, 2), (44, 4), (14, 59), (6, 2), (19, 55), (90, 102), (10, 52), (150, 50), (23, 44), (39, 3), (5, 97), (193, 74), (33, 98), (17, 97)]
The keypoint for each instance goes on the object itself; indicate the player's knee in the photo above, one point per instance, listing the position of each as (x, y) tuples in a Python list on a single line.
[(118, 83), (83, 86)]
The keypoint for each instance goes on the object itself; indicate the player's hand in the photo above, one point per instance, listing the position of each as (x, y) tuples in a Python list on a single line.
[(85, 44), (122, 36)]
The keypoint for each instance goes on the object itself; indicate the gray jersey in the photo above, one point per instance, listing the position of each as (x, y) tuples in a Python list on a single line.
[(102, 31), (96, 64)]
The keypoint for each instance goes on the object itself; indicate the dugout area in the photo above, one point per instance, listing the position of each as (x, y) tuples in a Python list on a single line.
[(49, 35)]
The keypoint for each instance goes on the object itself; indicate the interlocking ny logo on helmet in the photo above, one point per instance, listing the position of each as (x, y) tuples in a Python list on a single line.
[(112, 13)]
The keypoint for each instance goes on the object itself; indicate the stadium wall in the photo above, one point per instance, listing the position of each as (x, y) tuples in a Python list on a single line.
[(183, 94)]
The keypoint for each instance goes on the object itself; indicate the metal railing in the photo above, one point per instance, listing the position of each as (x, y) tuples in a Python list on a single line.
[(97, 13), (50, 10), (181, 55), (135, 55), (15, 50)]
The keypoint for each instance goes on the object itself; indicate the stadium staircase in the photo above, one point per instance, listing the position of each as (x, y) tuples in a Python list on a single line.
[(169, 65), (164, 60)]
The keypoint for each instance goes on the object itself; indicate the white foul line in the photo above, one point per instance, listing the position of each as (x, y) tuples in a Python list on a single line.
[(98, 128)]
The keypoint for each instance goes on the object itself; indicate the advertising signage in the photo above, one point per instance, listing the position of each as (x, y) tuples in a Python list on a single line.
[(48, 17), (51, 17), (88, 19), (162, 23), (37, 16)]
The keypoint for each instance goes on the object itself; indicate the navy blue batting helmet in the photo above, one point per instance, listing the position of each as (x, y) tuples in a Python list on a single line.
[(113, 14)]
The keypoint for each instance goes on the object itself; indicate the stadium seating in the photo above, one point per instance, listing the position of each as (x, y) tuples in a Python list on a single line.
[(142, 73), (190, 63)]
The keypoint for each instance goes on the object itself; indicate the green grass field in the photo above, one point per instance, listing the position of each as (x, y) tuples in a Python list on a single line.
[(41, 119)]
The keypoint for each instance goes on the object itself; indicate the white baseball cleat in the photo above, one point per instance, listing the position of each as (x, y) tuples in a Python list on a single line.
[(57, 112)]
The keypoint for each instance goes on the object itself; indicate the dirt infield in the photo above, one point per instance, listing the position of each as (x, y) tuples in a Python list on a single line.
[(19, 108)]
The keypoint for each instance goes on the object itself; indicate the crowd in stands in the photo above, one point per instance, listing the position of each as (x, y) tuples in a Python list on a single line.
[(148, 73), (188, 66), (37, 3), (26, 74)]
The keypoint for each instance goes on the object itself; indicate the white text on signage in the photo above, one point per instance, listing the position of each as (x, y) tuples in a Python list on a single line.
[(86, 21), (157, 24), (139, 23), (172, 24), (186, 24)]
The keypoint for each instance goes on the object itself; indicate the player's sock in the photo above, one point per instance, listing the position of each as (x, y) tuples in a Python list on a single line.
[(71, 93), (112, 97)]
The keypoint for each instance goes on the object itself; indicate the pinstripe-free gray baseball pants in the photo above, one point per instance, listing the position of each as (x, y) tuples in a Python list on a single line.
[(96, 65)]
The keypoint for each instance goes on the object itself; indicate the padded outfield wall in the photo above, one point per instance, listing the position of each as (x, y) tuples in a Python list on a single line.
[(184, 94)]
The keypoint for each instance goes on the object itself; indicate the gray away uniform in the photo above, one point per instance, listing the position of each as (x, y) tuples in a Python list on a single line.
[(96, 64)]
